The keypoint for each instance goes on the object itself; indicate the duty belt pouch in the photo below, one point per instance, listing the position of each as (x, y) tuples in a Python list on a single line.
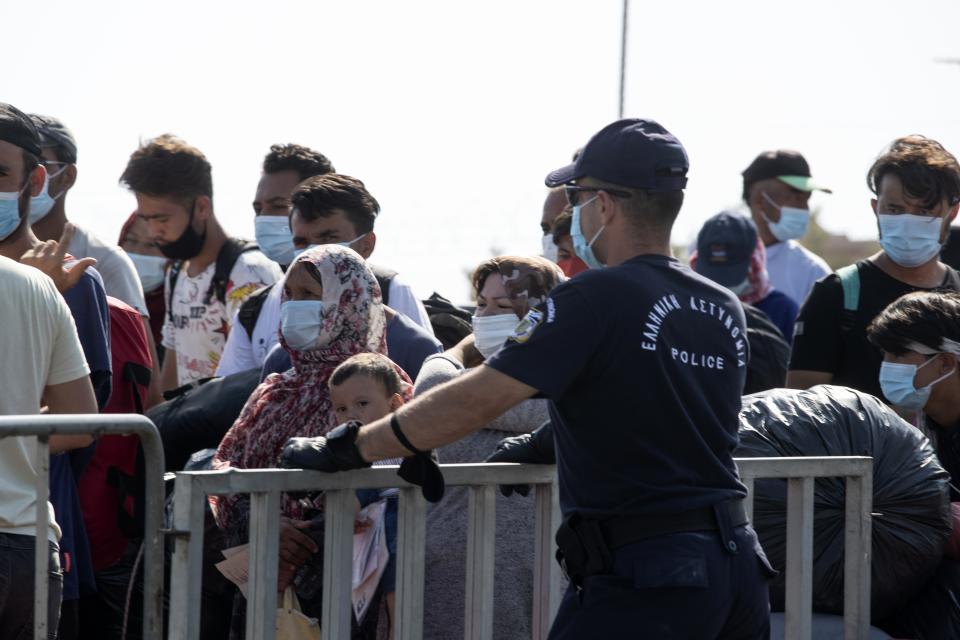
[(581, 548)]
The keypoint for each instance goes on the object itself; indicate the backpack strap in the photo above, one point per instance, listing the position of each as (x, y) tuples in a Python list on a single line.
[(384, 277), (175, 269), (226, 259), (251, 307), (850, 281)]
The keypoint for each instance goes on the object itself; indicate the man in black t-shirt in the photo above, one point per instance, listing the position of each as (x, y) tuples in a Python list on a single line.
[(917, 187), (644, 361)]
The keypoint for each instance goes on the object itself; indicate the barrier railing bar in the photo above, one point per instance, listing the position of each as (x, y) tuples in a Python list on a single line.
[(339, 515), (546, 571), (858, 546), (799, 588), (41, 557), (411, 558), (113, 424), (481, 532), (812, 467), (262, 573), (186, 571)]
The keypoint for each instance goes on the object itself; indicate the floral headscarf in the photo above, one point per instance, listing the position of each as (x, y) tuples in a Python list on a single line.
[(297, 402), (527, 280), (756, 275)]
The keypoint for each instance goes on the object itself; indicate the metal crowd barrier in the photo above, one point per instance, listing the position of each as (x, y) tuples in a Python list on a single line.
[(265, 487), (800, 474), (44, 426)]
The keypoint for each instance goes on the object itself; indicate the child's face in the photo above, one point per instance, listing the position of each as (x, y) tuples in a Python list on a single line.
[(362, 398)]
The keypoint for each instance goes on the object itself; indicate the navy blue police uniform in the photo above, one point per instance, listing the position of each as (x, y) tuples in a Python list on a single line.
[(644, 363)]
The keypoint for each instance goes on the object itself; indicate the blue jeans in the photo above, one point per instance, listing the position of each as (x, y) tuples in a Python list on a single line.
[(17, 584), (683, 586)]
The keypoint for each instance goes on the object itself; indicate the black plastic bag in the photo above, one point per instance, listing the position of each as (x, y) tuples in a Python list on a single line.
[(910, 490), (934, 612)]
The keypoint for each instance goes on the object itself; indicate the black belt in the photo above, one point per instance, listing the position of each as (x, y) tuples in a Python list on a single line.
[(623, 530)]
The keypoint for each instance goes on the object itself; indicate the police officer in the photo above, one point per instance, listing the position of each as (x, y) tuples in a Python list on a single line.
[(643, 361)]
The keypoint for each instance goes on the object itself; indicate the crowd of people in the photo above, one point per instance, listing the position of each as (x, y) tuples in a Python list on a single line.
[(326, 360)]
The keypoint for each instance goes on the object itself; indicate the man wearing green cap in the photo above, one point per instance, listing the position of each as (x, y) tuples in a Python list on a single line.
[(777, 187)]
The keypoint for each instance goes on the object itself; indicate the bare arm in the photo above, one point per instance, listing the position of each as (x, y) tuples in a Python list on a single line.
[(168, 377), (806, 379), (445, 414), (154, 392), (75, 396)]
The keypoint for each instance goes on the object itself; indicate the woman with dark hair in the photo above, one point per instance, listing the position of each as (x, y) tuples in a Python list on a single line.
[(507, 288)]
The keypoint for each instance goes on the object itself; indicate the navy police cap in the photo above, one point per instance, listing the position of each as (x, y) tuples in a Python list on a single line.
[(632, 153)]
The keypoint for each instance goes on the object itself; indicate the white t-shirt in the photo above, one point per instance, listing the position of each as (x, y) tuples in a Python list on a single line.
[(120, 277), (793, 269), (403, 299), (40, 347), (198, 331)]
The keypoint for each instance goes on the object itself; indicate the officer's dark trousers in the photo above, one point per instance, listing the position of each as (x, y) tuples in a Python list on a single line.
[(685, 585)]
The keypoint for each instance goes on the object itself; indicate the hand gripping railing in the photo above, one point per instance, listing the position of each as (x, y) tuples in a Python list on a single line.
[(265, 487), (44, 426), (800, 474)]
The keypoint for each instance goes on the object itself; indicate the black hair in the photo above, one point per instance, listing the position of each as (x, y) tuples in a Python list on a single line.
[(322, 196), (562, 225), (922, 317), (927, 170), (294, 157)]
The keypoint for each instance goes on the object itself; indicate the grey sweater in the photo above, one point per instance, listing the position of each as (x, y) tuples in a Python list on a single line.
[(447, 527)]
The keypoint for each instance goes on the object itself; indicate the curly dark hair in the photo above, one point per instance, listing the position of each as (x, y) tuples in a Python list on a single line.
[(294, 157), (921, 317), (168, 166), (926, 169)]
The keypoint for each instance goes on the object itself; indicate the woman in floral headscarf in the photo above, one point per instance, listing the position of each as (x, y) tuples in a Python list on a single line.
[(331, 310), (507, 288)]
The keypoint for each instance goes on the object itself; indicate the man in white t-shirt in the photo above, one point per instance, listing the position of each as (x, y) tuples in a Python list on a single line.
[(48, 217), (777, 187), (211, 275), (46, 367)]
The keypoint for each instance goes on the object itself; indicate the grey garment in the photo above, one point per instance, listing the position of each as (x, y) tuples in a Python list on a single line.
[(17, 584), (443, 611)]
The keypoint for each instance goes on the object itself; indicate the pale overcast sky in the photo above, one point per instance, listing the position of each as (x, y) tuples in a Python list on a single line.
[(453, 112)]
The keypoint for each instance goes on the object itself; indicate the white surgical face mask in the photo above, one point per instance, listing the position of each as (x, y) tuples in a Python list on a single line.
[(9, 212), (151, 270), (300, 323), (896, 382), (792, 224), (490, 332), (908, 239), (550, 251), (42, 204)]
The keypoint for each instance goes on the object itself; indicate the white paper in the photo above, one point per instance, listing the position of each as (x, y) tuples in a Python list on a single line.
[(370, 556), (236, 566)]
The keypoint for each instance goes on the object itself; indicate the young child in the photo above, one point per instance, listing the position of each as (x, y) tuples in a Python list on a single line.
[(366, 387)]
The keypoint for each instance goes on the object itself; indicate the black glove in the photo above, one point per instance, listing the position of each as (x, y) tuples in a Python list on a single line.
[(421, 468), (529, 448), (337, 451)]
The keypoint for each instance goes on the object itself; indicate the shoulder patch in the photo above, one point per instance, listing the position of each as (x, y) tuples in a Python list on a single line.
[(527, 326)]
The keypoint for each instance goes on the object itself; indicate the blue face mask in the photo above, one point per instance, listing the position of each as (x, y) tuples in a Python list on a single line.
[(910, 240), (300, 323), (9, 212), (792, 224), (151, 269), (42, 204), (275, 238), (581, 247), (896, 382)]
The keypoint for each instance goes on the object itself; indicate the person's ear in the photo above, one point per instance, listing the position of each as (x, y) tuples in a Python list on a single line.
[(873, 205), (37, 177), (948, 363), (396, 401), (608, 207), (952, 213), (366, 246), (204, 208), (68, 178)]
